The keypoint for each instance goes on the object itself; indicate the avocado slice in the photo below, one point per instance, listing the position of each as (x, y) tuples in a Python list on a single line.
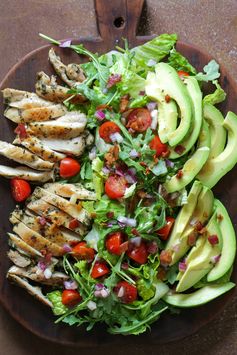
[(184, 215), (196, 101), (217, 167), (194, 164), (215, 120), (199, 259), (199, 297), (168, 81), (202, 213), (168, 113), (229, 243)]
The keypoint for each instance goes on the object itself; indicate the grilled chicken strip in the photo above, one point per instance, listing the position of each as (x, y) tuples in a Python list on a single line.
[(33, 238), (57, 129), (26, 173), (36, 146), (74, 210), (56, 217), (33, 274), (34, 114), (23, 156), (18, 259), (47, 88), (75, 146), (71, 74), (33, 290), (76, 191), (22, 245), (23, 99)]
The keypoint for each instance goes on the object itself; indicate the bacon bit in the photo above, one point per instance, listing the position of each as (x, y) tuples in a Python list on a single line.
[(123, 103), (48, 258), (74, 223), (167, 98), (165, 154), (147, 171), (21, 131), (179, 174), (142, 163), (155, 159), (112, 155), (161, 275), (198, 226), (219, 217), (165, 257), (141, 194), (202, 231), (179, 149), (213, 239), (192, 238), (104, 107), (205, 215), (110, 214), (134, 231), (113, 80), (93, 215)]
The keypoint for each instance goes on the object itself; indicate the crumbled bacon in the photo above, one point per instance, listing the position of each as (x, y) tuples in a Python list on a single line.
[(165, 257), (219, 217), (74, 223), (198, 226), (123, 103), (112, 155), (179, 174), (110, 214), (167, 98), (165, 154), (21, 131), (192, 239), (161, 275), (113, 80), (213, 239), (179, 149), (134, 231)]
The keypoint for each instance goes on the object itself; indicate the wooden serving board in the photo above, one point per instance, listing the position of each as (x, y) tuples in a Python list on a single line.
[(116, 19)]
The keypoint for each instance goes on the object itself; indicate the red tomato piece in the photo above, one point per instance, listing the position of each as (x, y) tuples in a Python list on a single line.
[(126, 292), (21, 189), (115, 243), (115, 186), (82, 252), (74, 223), (138, 253), (99, 269), (158, 146), (71, 297), (164, 232), (106, 129), (69, 167), (182, 74), (139, 120)]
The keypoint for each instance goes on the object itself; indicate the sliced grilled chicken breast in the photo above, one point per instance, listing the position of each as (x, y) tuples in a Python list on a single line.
[(23, 99), (34, 114), (33, 290), (76, 191), (36, 146), (18, 259), (23, 156), (70, 75), (22, 245), (72, 116), (26, 173)]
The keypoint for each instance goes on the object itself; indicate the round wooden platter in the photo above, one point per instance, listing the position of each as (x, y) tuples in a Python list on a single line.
[(116, 19)]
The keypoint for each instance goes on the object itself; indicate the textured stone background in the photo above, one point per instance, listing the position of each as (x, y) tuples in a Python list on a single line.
[(210, 24)]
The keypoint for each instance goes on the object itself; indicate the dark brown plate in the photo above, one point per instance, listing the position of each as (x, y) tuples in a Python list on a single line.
[(29, 312)]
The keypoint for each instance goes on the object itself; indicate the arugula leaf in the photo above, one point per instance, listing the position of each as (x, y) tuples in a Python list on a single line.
[(179, 62), (140, 101), (56, 298), (217, 96), (211, 71)]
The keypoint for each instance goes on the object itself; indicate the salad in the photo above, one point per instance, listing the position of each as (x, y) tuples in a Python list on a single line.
[(146, 234)]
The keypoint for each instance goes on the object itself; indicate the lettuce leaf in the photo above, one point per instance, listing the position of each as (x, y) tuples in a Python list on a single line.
[(56, 298), (217, 96), (211, 72), (179, 62)]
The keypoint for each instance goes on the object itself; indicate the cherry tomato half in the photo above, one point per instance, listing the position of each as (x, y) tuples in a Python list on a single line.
[(20, 189), (71, 297), (182, 74), (139, 120), (138, 253), (126, 292), (115, 186), (82, 252), (99, 269), (164, 232), (106, 129), (158, 146), (116, 244), (69, 167)]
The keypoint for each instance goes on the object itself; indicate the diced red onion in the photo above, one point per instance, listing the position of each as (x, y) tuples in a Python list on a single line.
[(151, 106), (169, 163), (154, 118), (47, 273), (179, 149), (41, 265), (67, 248), (70, 285), (129, 222), (113, 79), (193, 221), (142, 93), (132, 171), (92, 154), (124, 266), (182, 266), (130, 130), (100, 115), (65, 44), (136, 241), (176, 247), (106, 170), (152, 247), (99, 287), (134, 153), (174, 195), (215, 259), (42, 221), (119, 171), (91, 305), (116, 137), (111, 223), (151, 63), (213, 239), (105, 90), (121, 292), (130, 179)]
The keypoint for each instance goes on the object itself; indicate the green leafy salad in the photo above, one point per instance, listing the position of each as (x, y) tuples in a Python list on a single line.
[(159, 239)]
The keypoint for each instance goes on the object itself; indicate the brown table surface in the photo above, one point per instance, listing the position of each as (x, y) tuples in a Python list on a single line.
[(210, 24)]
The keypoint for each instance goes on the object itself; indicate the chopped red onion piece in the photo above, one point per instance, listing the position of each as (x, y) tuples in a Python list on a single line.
[(70, 285), (154, 117), (179, 149), (151, 106), (47, 273), (142, 93), (111, 223), (119, 171), (152, 247), (176, 247), (42, 221), (136, 241), (129, 222), (99, 287), (92, 154), (130, 179), (169, 163), (215, 259), (121, 292), (67, 248), (106, 170), (41, 265), (193, 221), (113, 79), (116, 137), (65, 44), (151, 63), (105, 293), (213, 239), (134, 154), (105, 90), (91, 305), (100, 115), (124, 266), (182, 266)]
